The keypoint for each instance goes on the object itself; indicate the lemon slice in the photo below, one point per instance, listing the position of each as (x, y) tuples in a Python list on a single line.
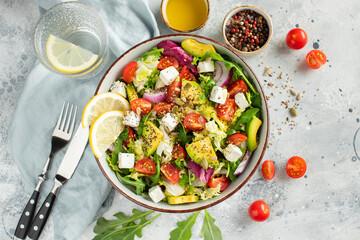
[(105, 130), (102, 103), (68, 57)]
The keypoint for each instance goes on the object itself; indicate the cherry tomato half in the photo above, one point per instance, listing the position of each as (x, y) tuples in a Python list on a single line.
[(145, 166), (173, 91), (296, 167), (170, 172), (186, 74), (194, 122), (178, 152), (167, 61), (268, 169), (141, 103), (236, 139), (236, 87), (163, 107), (296, 38), (130, 71), (259, 211), (315, 59), (223, 181), (131, 136), (227, 110)]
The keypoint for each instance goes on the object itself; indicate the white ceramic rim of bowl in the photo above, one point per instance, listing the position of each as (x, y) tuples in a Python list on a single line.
[(166, 21), (257, 10), (113, 73)]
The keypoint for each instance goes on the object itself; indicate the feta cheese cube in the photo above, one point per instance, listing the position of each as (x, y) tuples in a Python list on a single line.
[(206, 66), (170, 121), (126, 160), (119, 87), (168, 75), (163, 147), (241, 101), (131, 119), (218, 95), (232, 153), (156, 194)]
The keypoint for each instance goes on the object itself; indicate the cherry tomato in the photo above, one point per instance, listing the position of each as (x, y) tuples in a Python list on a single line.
[(236, 139), (194, 122), (163, 107), (178, 152), (145, 166), (223, 181), (131, 136), (296, 167), (296, 38), (170, 172), (236, 87), (268, 169), (186, 74), (259, 211), (173, 91), (141, 103), (227, 110), (130, 71), (168, 62), (315, 59)]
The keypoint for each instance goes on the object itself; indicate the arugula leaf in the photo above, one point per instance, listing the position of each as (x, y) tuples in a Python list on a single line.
[(228, 64), (156, 177), (138, 184), (195, 60), (207, 83), (144, 119), (245, 118), (183, 232), (209, 230), (182, 137), (108, 229), (184, 180), (155, 51), (232, 166), (152, 79), (119, 146)]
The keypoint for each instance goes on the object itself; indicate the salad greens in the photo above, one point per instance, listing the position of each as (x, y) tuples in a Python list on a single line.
[(209, 230), (183, 231)]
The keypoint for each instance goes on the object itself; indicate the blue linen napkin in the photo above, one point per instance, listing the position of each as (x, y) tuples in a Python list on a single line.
[(86, 195)]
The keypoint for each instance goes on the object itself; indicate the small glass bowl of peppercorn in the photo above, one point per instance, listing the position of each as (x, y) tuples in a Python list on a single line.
[(247, 30)]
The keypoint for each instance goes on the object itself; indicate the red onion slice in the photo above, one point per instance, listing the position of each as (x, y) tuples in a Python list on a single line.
[(222, 75), (155, 96)]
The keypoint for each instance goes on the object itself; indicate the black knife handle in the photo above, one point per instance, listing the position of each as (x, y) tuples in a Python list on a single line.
[(27, 216)]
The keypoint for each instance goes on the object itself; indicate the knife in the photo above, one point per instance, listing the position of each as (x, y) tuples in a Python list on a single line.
[(66, 169)]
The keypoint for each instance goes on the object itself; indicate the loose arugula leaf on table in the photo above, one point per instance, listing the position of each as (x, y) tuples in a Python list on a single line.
[(155, 51), (209, 230), (138, 184), (156, 177), (144, 119), (109, 229), (183, 231)]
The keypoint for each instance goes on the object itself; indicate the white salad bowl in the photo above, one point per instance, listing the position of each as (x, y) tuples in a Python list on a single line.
[(115, 71)]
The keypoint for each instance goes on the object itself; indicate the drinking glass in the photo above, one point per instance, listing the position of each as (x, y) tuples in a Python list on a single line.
[(79, 24)]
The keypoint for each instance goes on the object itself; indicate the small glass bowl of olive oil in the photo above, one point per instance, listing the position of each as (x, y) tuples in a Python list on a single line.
[(185, 15)]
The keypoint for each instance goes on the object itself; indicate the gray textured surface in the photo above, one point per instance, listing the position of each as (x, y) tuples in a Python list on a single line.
[(324, 204)]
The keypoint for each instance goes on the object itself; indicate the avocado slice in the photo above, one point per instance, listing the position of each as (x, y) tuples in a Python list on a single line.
[(251, 130), (151, 136), (191, 91), (131, 92), (196, 48), (183, 199), (202, 152)]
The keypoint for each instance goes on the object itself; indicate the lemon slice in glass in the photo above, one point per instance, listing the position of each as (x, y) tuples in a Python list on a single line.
[(68, 57), (102, 103), (105, 130)]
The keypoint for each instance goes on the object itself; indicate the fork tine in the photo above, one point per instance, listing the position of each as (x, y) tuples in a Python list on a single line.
[(66, 130), (60, 117), (64, 119), (73, 121)]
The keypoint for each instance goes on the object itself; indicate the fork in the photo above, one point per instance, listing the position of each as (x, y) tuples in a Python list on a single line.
[(60, 137)]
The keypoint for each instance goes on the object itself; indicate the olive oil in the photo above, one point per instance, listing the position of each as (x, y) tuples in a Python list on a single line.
[(185, 15)]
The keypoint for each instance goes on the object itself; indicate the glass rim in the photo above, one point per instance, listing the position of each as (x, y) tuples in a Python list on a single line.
[(103, 51)]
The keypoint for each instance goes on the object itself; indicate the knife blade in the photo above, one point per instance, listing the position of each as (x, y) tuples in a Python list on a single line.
[(65, 171)]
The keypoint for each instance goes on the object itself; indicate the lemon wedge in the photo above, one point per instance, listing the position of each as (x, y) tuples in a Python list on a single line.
[(102, 103), (105, 130), (68, 57)]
